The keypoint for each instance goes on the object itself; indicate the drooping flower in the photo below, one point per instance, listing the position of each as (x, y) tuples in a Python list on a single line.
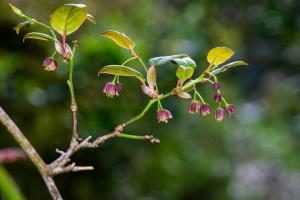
[(204, 109), (112, 89), (118, 88), (216, 86), (217, 97), (194, 106), (219, 114), (163, 115), (50, 64), (230, 109)]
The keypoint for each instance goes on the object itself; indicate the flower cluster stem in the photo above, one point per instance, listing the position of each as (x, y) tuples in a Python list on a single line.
[(130, 136), (139, 116)]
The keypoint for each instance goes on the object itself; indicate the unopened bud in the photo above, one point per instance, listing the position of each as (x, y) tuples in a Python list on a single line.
[(230, 109)]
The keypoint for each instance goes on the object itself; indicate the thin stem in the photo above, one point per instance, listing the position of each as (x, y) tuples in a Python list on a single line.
[(147, 107), (208, 80), (54, 54), (136, 56), (43, 25), (143, 64), (139, 116), (114, 80), (130, 136), (129, 59), (215, 78), (70, 81), (150, 138), (198, 94), (72, 93), (224, 100), (159, 105)]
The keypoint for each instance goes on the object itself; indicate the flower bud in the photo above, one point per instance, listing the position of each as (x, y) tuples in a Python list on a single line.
[(194, 106), (50, 64), (217, 97), (229, 109), (163, 115), (112, 89), (149, 91), (219, 114), (64, 51), (204, 109), (216, 86)]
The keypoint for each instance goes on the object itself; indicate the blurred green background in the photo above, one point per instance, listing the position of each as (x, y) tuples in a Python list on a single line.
[(252, 155)]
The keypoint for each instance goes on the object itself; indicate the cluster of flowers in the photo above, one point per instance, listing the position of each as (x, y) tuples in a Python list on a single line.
[(204, 108), (112, 89)]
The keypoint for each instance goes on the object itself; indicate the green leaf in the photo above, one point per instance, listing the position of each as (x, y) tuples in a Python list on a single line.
[(122, 71), (67, 18), (21, 25), (91, 18), (151, 77), (228, 66), (219, 55), (38, 36), (119, 38), (164, 59), (16, 10), (183, 73), (185, 61)]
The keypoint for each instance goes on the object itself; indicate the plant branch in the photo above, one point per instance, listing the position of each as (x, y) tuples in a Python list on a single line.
[(31, 152), (136, 56)]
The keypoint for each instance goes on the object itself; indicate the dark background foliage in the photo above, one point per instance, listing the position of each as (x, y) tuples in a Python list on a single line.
[(251, 155)]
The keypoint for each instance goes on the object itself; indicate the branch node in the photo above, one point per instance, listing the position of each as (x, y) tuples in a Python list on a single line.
[(59, 151)]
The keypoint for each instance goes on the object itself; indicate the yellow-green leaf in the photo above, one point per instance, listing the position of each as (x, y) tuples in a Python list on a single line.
[(183, 73), (91, 18), (16, 10), (228, 66), (38, 36), (119, 38), (219, 55), (21, 25), (67, 18), (121, 71)]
